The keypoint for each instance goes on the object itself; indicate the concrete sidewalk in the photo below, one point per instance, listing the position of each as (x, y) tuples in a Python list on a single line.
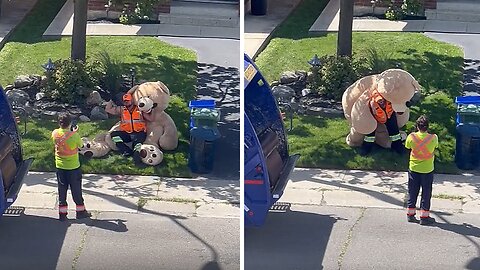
[(13, 12), (259, 28), (329, 19), (125, 193), (451, 193), (62, 25)]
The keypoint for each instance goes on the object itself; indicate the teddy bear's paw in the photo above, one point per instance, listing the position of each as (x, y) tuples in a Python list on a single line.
[(151, 155)]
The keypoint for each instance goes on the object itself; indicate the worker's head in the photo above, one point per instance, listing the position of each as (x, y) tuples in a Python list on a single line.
[(422, 123), (127, 99), (64, 120)]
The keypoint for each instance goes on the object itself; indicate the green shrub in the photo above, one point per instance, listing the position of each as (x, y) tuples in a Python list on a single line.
[(72, 81), (135, 10), (412, 7), (394, 13), (336, 74), (378, 61), (111, 79)]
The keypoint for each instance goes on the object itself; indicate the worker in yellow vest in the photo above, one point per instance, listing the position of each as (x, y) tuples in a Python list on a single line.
[(420, 173), (67, 141), (132, 127)]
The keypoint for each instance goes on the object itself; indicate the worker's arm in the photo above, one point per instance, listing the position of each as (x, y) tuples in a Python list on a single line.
[(112, 108), (408, 142)]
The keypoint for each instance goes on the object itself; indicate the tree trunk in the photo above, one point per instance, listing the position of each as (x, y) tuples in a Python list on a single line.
[(79, 35), (344, 40)]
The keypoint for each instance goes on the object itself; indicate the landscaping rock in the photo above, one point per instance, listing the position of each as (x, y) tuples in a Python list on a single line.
[(306, 92), (37, 79), (50, 115), (325, 112), (297, 86), (301, 75), (283, 93), (9, 87), (98, 113), (288, 77), (84, 118), (23, 81), (94, 98), (17, 97), (43, 81), (274, 83), (39, 96)]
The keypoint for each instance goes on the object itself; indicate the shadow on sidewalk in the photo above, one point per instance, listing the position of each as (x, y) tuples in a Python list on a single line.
[(28, 239), (471, 76), (287, 240)]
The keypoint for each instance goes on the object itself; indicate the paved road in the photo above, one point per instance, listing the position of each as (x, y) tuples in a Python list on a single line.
[(115, 240), (325, 237), (471, 44), (219, 78)]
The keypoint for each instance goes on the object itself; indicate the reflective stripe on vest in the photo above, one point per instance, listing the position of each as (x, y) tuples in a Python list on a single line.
[(419, 149), (61, 147), (381, 113), (132, 121)]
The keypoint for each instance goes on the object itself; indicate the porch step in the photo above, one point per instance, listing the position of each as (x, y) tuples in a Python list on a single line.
[(455, 10), (217, 14), (459, 16), (470, 6)]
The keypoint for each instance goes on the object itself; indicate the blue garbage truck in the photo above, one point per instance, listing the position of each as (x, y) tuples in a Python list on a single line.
[(13, 167), (267, 162)]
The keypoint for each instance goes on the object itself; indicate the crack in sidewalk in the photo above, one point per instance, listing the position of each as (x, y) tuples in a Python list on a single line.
[(349, 239), (78, 253)]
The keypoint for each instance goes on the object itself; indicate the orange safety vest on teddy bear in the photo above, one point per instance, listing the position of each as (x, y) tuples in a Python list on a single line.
[(61, 147), (381, 108), (132, 121)]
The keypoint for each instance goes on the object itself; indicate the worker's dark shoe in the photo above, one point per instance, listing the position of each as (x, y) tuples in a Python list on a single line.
[(365, 149), (412, 219), (62, 217), (137, 158), (83, 214), (126, 154), (427, 221), (398, 147)]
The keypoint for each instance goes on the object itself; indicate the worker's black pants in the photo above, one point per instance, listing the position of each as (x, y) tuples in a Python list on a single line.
[(134, 138), (72, 179), (415, 181)]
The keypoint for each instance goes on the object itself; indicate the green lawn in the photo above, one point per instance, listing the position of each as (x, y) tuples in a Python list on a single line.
[(153, 60), (321, 141)]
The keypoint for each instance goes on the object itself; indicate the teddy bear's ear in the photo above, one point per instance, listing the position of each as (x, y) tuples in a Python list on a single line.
[(163, 87), (133, 89)]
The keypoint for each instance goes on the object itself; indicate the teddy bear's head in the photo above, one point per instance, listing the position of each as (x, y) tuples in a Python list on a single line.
[(151, 95), (398, 87)]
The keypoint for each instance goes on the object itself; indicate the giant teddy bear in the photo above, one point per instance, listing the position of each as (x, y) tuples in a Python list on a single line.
[(162, 134), (393, 85)]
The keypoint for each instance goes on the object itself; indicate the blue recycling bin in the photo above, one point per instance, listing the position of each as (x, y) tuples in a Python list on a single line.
[(203, 135), (467, 147)]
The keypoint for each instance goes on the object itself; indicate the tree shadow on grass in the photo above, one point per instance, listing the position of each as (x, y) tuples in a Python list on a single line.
[(434, 71), (178, 75)]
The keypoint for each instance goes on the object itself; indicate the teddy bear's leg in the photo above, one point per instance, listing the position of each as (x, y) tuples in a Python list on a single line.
[(354, 139), (394, 134), (367, 145)]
